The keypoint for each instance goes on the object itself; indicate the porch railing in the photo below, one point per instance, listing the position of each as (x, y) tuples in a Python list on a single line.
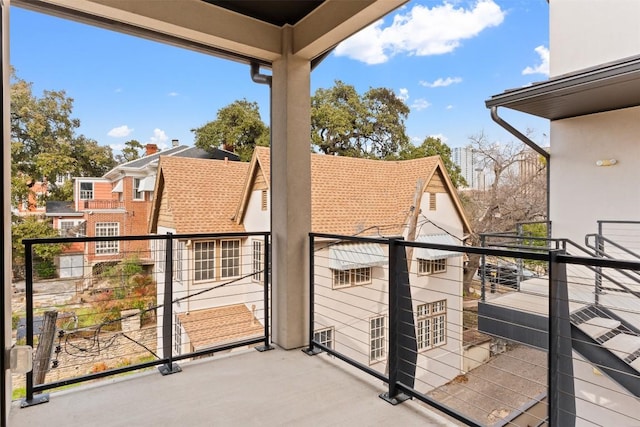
[(195, 295), (422, 347)]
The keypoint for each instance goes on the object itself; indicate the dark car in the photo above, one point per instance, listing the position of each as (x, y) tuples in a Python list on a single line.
[(505, 274)]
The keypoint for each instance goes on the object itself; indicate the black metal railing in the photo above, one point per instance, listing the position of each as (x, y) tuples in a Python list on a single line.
[(350, 289), (164, 299)]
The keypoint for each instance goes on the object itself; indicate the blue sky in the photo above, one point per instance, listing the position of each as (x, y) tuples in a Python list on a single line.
[(444, 58)]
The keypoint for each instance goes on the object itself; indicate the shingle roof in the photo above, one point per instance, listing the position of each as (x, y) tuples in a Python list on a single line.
[(203, 194), (216, 326), (59, 207), (352, 195)]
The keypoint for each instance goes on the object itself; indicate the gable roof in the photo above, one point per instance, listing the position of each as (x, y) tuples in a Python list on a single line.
[(360, 196), (203, 194)]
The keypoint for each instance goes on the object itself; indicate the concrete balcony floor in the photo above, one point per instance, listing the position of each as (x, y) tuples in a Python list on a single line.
[(246, 388)]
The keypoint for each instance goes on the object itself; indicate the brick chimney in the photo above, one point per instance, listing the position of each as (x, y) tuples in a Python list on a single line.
[(151, 149), (175, 142)]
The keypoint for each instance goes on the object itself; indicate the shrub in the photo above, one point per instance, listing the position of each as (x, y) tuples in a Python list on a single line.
[(46, 269)]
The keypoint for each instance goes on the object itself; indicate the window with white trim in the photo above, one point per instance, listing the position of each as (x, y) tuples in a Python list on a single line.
[(104, 229), (137, 194), (353, 277), (324, 337), (65, 226), (86, 190), (431, 324), (230, 258), (257, 261), (177, 335), (204, 260), (377, 339), (432, 266)]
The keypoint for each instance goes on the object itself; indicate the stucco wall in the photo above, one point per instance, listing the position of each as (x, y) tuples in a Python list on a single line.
[(581, 192), (585, 33)]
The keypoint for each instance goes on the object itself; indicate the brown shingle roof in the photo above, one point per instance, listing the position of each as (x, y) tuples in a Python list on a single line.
[(203, 194), (220, 325), (350, 195), (369, 197)]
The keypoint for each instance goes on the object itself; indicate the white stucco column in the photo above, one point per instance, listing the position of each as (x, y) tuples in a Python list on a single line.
[(290, 195)]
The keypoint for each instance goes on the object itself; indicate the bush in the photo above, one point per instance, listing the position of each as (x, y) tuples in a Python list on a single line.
[(46, 269)]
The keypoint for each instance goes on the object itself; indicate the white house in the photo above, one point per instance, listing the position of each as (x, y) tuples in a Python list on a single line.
[(411, 199)]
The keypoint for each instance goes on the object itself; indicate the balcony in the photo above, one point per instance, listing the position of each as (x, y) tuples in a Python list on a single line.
[(386, 319), (101, 204)]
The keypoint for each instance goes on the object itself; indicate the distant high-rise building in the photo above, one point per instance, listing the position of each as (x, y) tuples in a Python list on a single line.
[(465, 158)]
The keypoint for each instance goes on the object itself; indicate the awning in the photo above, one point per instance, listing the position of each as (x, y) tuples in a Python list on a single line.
[(148, 183), (438, 239), (356, 255), (117, 188)]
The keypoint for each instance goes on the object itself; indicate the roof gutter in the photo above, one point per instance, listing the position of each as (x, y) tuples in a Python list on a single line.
[(544, 153)]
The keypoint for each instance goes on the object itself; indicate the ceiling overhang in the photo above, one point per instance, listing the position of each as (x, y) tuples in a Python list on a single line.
[(608, 87), (248, 31)]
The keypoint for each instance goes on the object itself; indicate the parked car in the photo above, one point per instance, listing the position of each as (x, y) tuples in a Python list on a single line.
[(505, 274)]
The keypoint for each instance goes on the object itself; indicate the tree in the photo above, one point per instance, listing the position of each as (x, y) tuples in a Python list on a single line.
[(44, 144), (432, 146), (516, 191), (347, 124), (32, 227), (132, 150), (237, 128)]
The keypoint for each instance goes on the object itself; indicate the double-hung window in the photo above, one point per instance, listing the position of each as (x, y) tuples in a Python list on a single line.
[(230, 258), (204, 260), (257, 261), (86, 190), (107, 229), (431, 324), (137, 194), (377, 339)]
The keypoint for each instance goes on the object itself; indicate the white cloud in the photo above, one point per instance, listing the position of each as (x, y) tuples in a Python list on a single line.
[(543, 66), (118, 90), (159, 138), (421, 31), (404, 94), (442, 82), (449, 107), (173, 94), (120, 131), (441, 137), (420, 104)]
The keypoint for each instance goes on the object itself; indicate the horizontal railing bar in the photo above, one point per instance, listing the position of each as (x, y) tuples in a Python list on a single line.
[(350, 238)]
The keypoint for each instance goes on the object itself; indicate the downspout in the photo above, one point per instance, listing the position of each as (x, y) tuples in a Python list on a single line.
[(544, 153)]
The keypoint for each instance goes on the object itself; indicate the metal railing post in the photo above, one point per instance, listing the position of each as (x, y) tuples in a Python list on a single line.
[(167, 312), (30, 400), (311, 349), (561, 392), (265, 283), (394, 396)]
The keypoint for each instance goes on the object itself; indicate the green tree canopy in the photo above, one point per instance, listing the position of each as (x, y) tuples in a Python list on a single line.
[(432, 146), (348, 124), (237, 128), (133, 150), (44, 143), (33, 227)]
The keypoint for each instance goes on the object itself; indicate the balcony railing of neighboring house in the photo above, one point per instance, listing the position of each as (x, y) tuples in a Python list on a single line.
[(522, 375), (191, 299), (99, 204)]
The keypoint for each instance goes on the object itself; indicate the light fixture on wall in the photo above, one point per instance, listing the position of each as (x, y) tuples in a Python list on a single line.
[(606, 162)]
